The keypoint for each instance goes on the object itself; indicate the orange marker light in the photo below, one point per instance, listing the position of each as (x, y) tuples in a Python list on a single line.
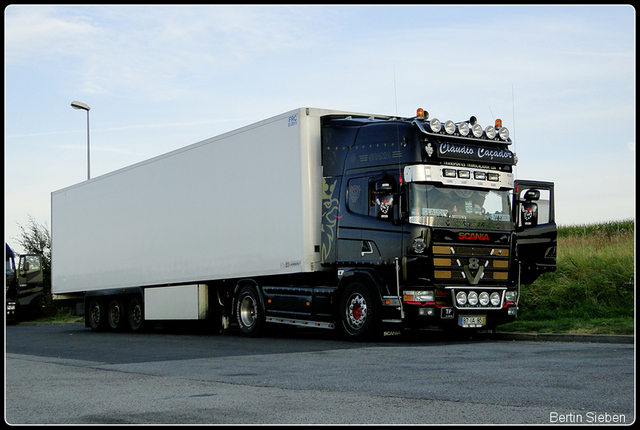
[(420, 113), (498, 123)]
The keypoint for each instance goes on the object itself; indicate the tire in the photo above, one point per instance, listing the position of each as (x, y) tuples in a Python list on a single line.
[(358, 313), (96, 315), (135, 315), (249, 312), (116, 315)]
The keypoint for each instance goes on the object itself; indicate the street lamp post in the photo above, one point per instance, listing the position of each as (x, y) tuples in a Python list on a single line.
[(82, 106)]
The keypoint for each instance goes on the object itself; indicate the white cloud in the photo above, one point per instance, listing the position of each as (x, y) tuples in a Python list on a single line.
[(38, 33)]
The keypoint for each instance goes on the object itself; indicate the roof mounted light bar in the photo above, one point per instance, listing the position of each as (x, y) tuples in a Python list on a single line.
[(469, 128)]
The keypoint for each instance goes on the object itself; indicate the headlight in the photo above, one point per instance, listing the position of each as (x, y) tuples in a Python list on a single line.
[(418, 296), (495, 298), (511, 296), (461, 298), (484, 298), (473, 298)]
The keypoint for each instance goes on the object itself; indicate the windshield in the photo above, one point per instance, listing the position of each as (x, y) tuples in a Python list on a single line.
[(432, 204)]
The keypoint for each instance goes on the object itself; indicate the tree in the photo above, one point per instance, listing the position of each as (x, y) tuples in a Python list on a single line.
[(36, 238)]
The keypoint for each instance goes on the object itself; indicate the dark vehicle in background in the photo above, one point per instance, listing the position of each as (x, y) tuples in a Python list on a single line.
[(24, 291)]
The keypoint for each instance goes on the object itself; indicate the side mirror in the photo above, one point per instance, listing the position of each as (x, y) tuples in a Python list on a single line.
[(532, 196)]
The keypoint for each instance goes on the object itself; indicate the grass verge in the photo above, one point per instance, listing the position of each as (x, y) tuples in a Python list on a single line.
[(592, 290)]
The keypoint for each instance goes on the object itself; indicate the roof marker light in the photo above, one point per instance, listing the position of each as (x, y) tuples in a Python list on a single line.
[(420, 113), (498, 123)]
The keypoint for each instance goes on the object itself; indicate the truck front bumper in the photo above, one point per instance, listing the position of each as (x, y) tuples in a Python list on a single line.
[(430, 314)]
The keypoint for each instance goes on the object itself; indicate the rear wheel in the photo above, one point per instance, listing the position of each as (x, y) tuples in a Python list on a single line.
[(116, 315), (135, 315), (248, 311), (96, 315), (358, 312)]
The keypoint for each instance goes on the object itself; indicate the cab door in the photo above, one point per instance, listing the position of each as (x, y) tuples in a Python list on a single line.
[(536, 230), (30, 275)]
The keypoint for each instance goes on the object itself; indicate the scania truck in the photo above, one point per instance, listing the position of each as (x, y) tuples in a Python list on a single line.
[(313, 218)]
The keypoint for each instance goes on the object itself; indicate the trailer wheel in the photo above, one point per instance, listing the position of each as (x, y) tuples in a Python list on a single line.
[(136, 317), (248, 312), (358, 312), (96, 315), (116, 315)]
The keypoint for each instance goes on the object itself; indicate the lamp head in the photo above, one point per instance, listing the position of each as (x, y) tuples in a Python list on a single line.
[(80, 105)]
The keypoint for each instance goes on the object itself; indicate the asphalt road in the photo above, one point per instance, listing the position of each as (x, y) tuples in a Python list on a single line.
[(67, 374)]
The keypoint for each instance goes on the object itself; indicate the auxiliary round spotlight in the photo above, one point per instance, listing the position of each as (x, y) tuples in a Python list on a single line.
[(435, 125), (461, 298), (449, 127), (476, 130), (504, 133), (484, 298), (490, 132), (463, 128), (473, 298), (495, 298)]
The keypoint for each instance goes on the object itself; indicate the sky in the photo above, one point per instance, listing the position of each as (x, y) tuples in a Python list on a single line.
[(157, 78)]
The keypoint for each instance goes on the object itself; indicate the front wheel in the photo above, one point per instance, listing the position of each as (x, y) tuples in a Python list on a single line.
[(248, 311), (358, 313)]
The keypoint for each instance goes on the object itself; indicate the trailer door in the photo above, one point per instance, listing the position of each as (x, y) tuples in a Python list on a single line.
[(533, 206)]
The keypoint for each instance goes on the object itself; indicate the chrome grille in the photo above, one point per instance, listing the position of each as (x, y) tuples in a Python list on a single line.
[(461, 264)]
